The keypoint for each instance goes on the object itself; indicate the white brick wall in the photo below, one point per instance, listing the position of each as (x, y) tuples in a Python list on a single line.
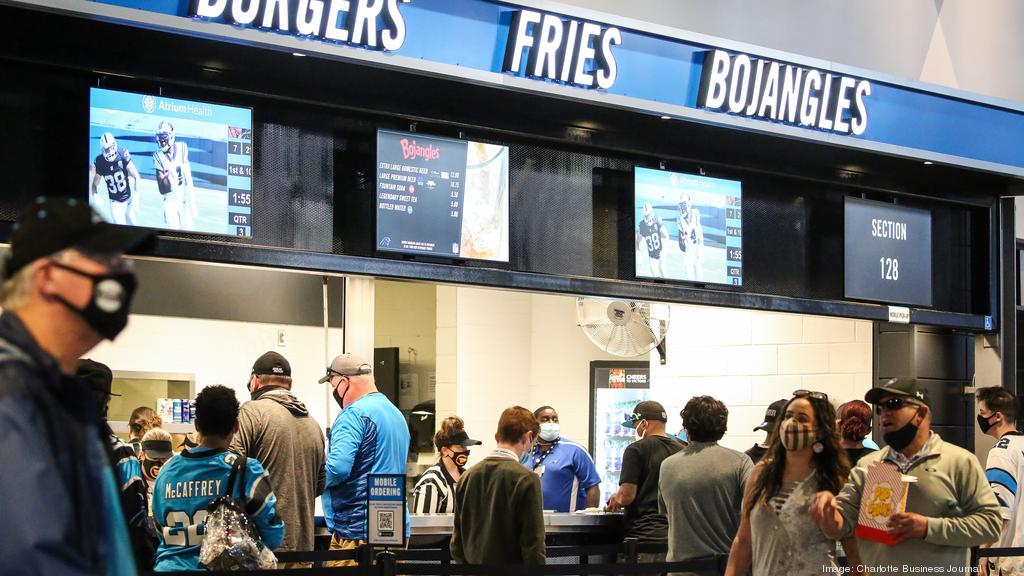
[(749, 359), (496, 349)]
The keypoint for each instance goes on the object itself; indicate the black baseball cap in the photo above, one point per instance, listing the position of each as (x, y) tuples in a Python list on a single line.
[(158, 449), (897, 387), (645, 410), (462, 439), (48, 225), (273, 364), (771, 415), (98, 376)]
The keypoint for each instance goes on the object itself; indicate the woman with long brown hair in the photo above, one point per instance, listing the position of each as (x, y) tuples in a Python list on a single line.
[(776, 535)]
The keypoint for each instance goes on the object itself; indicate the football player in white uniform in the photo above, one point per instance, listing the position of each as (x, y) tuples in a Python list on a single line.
[(691, 239), (114, 167), (174, 179), (997, 417)]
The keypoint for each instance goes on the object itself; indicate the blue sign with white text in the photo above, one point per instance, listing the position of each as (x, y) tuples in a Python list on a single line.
[(560, 50)]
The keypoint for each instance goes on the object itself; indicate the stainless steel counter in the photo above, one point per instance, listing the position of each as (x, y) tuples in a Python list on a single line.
[(554, 523)]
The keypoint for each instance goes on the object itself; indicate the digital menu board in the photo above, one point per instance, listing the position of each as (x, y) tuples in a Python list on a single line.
[(688, 227), (442, 197), (170, 163)]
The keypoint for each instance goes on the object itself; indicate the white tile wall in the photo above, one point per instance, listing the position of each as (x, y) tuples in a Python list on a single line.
[(782, 353), (528, 350)]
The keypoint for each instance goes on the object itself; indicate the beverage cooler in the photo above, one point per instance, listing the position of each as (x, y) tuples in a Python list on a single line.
[(615, 389)]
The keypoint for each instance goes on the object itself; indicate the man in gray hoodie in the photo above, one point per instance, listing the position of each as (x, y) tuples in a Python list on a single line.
[(275, 428)]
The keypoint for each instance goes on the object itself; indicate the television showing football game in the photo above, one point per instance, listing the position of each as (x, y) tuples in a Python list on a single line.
[(168, 163), (688, 227), (442, 197)]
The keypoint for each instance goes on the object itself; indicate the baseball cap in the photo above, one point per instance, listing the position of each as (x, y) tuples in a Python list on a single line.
[(897, 387), (49, 225), (347, 365), (645, 410), (272, 363), (771, 415), (97, 376), (462, 439)]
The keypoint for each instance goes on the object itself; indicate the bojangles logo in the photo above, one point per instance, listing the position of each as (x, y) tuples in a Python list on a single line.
[(410, 149)]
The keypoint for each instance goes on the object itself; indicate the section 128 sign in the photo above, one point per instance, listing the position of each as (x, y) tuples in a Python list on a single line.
[(888, 253)]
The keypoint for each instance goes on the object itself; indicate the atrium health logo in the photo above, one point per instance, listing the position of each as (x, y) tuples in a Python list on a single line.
[(148, 104)]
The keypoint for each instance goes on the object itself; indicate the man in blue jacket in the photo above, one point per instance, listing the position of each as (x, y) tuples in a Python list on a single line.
[(369, 436), (66, 288)]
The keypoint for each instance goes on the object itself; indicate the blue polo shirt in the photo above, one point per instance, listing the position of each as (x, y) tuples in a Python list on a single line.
[(566, 472)]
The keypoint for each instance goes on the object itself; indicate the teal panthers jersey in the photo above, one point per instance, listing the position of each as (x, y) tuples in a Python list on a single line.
[(185, 488)]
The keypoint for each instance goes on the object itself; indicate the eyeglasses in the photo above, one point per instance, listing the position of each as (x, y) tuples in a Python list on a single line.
[(893, 404), (810, 394)]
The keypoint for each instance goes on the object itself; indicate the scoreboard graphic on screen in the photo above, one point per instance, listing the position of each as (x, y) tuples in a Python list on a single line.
[(688, 227), (169, 163)]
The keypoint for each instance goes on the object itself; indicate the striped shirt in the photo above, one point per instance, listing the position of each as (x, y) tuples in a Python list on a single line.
[(434, 492), (785, 491)]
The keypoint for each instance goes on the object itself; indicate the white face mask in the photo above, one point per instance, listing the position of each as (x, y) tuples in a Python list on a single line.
[(550, 431), (639, 435)]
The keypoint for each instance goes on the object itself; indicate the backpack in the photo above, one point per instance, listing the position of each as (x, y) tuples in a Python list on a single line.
[(231, 541)]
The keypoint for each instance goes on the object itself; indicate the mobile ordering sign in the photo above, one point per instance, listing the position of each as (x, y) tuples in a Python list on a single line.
[(385, 509)]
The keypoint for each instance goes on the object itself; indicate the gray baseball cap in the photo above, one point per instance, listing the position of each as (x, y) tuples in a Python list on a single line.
[(347, 365)]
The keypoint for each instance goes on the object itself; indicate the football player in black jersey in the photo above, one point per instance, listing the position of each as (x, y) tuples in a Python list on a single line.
[(651, 231), (691, 239), (114, 167)]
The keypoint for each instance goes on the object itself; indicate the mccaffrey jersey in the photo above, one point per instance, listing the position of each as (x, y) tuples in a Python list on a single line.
[(173, 162), (115, 175), (185, 488), (652, 236), (1004, 470)]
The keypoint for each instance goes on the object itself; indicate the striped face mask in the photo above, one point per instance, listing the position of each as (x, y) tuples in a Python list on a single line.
[(796, 435)]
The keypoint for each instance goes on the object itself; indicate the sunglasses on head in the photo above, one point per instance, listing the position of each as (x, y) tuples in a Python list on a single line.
[(894, 404), (810, 394)]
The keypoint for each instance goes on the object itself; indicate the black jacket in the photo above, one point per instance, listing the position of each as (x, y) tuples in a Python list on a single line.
[(51, 482)]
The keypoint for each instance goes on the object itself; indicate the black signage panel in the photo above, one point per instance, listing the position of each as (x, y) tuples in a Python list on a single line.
[(888, 253), (420, 181)]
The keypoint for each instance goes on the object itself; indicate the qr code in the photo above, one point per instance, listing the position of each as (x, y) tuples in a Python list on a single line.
[(386, 520)]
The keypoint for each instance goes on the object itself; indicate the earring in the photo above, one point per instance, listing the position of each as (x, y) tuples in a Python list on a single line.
[(818, 447)]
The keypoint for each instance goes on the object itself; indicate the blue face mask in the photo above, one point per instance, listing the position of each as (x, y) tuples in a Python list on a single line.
[(526, 459)]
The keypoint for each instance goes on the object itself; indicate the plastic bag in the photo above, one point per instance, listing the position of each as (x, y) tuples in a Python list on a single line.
[(231, 541)]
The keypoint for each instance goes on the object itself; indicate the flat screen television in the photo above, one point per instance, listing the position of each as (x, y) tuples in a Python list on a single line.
[(442, 197), (688, 227), (169, 163)]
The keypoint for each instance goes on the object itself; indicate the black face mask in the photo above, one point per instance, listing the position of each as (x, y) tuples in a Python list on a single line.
[(150, 468), (900, 439), (340, 399), (984, 423), (460, 459), (107, 311)]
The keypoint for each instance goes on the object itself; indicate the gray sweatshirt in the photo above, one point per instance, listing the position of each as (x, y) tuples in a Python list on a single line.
[(276, 429), (951, 490)]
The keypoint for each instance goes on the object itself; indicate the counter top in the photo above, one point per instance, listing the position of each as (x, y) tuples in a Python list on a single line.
[(553, 522)]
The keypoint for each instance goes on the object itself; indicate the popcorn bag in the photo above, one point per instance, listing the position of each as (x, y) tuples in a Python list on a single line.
[(231, 541), (885, 494)]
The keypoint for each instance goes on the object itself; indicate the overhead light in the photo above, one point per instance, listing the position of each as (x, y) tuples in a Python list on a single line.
[(928, 162), (666, 117), (298, 54)]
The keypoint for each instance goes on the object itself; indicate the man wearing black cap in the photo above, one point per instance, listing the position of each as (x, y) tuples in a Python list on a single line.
[(275, 428), (771, 418), (66, 288), (949, 505), (638, 480), (127, 468)]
